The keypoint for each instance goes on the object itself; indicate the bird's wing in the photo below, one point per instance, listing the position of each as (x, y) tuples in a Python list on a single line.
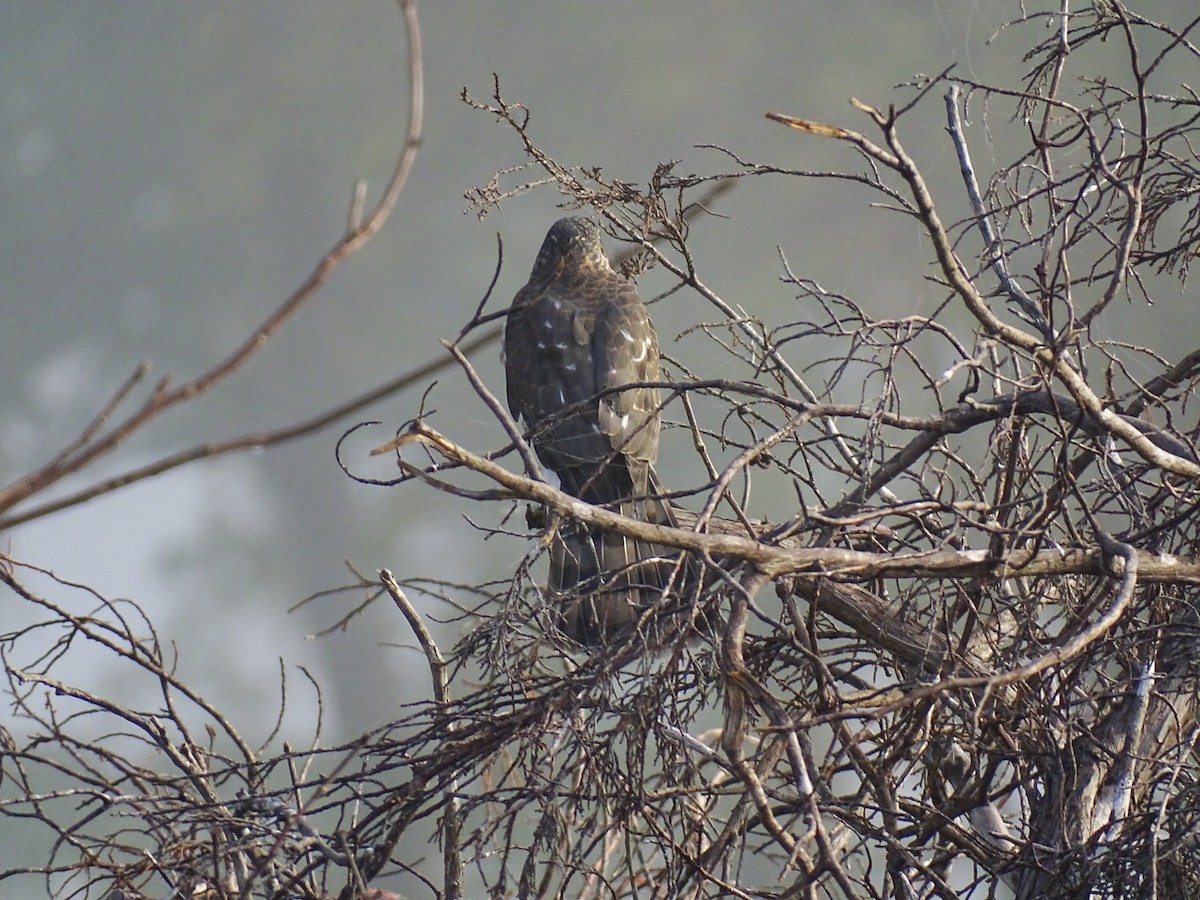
[(548, 348), (625, 351)]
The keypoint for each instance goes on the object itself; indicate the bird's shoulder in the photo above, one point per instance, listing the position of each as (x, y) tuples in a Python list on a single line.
[(582, 299)]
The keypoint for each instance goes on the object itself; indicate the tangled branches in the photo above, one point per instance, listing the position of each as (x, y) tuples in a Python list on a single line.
[(949, 643)]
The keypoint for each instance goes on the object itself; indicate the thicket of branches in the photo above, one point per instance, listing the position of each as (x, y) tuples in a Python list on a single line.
[(964, 666)]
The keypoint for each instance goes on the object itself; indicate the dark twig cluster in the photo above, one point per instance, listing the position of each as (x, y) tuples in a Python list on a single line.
[(961, 663)]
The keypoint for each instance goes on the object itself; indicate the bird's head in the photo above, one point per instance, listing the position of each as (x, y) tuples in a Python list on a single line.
[(574, 241)]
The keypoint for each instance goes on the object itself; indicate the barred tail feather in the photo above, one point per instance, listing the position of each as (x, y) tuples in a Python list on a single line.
[(607, 580)]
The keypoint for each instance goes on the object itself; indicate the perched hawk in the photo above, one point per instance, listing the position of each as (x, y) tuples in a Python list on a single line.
[(576, 330)]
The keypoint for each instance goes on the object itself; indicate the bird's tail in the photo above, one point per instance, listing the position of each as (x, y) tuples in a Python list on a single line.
[(608, 580)]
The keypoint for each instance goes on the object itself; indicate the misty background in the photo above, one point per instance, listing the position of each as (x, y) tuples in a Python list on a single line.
[(170, 172)]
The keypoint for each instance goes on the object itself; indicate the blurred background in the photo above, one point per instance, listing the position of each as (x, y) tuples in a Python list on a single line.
[(170, 172)]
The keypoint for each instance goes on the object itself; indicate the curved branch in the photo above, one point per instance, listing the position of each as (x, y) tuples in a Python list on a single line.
[(163, 396), (783, 559)]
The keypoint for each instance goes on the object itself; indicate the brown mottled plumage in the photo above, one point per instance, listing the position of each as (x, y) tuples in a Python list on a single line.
[(574, 331)]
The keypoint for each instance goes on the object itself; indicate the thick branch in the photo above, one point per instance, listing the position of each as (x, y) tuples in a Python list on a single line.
[(850, 565)]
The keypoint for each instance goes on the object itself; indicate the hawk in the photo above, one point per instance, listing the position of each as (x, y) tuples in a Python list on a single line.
[(574, 332)]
